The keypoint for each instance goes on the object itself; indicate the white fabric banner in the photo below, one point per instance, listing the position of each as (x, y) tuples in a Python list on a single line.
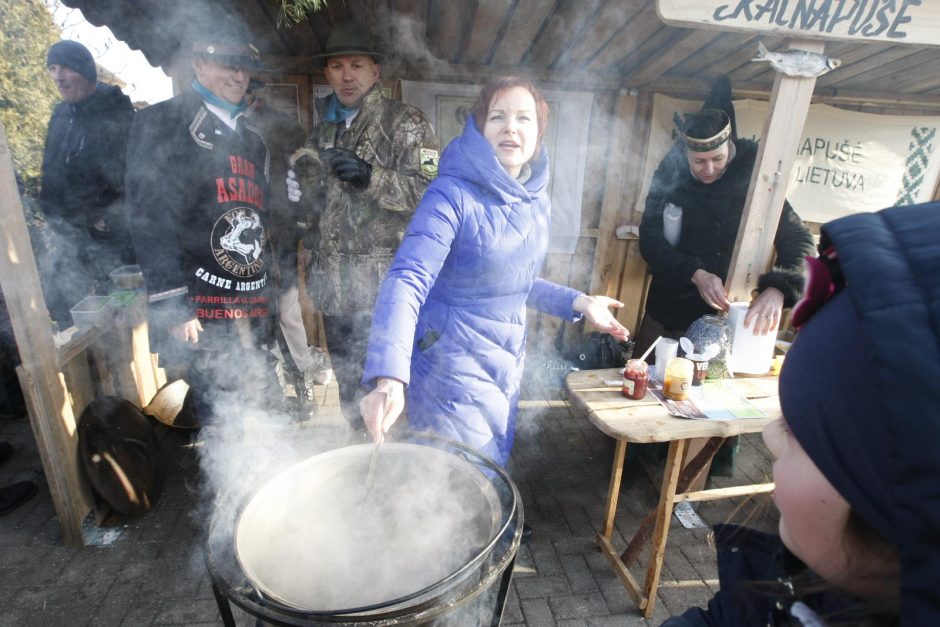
[(846, 162)]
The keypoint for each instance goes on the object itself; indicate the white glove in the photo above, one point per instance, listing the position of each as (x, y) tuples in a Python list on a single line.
[(293, 187)]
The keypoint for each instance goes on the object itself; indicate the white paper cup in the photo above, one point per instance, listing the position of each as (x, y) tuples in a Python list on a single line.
[(666, 349)]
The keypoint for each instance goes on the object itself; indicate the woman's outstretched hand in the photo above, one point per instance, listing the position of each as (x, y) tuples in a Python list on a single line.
[(382, 406), (597, 311)]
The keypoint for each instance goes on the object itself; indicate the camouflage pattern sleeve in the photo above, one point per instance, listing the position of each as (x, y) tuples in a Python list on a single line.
[(311, 173), (413, 166)]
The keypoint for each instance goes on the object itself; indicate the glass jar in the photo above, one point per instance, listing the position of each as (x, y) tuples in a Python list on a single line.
[(679, 372), (713, 329), (635, 376)]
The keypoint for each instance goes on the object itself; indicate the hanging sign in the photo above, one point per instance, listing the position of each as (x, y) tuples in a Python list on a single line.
[(892, 21)]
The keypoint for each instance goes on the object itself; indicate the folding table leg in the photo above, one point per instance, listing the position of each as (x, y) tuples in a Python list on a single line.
[(603, 537), (689, 474), (613, 489), (667, 497)]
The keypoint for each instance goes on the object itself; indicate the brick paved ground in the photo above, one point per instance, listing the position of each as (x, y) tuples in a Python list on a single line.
[(152, 572)]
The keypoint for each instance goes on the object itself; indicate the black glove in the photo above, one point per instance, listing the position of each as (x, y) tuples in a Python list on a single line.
[(348, 167)]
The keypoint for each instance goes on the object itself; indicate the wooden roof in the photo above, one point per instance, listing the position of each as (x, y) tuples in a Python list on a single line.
[(593, 44)]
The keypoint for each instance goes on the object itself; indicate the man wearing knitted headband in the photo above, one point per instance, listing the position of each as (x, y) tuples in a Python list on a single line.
[(706, 176), (83, 181)]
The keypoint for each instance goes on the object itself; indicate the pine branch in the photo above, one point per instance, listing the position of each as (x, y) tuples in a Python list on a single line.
[(294, 12)]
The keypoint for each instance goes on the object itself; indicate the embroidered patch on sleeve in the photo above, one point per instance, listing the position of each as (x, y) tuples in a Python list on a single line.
[(429, 158)]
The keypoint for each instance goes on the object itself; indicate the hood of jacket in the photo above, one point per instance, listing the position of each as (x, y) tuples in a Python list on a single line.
[(471, 158), (875, 352), (104, 98)]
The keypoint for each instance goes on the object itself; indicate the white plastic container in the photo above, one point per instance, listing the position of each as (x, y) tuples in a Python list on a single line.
[(750, 354)]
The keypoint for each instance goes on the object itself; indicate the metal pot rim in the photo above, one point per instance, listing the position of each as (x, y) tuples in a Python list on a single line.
[(460, 457)]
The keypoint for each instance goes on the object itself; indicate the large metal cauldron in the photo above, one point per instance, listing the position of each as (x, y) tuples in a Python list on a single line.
[(432, 542)]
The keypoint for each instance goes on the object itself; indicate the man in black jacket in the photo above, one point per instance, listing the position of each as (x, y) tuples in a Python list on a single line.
[(707, 174), (199, 213), (83, 180)]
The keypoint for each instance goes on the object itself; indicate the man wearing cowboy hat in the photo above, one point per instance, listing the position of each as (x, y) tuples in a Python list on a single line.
[(707, 174), (360, 176), (198, 209)]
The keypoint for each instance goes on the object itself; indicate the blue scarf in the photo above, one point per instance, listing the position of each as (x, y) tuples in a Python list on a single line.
[(336, 111), (233, 109)]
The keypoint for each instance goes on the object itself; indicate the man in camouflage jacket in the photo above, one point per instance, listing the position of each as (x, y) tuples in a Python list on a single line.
[(361, 174)]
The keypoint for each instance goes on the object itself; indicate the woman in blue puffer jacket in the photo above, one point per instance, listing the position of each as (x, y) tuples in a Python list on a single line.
[(449, 323)]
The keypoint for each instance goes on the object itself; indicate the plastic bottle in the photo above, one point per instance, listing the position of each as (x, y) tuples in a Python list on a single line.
[(672, 223)]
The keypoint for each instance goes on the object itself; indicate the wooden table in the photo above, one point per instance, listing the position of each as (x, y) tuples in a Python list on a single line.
[(647, 421)]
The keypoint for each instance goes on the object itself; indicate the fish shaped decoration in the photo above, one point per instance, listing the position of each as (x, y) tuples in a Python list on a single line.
[(797, 62)]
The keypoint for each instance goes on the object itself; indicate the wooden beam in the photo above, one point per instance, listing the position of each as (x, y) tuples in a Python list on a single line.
[(704, 61), (754, 248), (680, 49), (562, 27), (624, 44), (725, 493), (486, 29), (608, 255), (478, 74), (524, 26), (881, 66), (610, 19), (696, 88), (50, 412), (446, 27)]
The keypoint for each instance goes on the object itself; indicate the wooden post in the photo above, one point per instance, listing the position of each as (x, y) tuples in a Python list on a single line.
[(754, 248), (615, 209), (50, 411)]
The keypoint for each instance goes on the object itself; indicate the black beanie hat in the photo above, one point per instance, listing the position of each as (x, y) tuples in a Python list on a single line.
[(74, 56)]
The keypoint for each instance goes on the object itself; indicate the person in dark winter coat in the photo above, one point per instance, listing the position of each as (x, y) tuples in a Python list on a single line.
[(450, 320), (707, 174), (198, 208), (857, 467), (304, 365), (82, 190)]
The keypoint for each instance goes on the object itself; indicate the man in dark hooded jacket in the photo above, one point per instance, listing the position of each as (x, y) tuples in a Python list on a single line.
[(83, 179)]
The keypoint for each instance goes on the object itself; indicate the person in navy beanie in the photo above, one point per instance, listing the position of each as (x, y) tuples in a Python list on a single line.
[(74, 56), (82, 191), (857, 462)]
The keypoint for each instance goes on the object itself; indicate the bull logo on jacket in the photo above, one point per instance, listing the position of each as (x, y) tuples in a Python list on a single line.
[(238, 240)]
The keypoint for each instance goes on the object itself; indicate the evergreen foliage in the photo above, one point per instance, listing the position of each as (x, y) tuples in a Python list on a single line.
[(27, 94), (294, 12)]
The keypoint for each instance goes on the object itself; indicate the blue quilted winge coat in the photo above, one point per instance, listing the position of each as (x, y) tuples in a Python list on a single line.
[(450, 319)]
